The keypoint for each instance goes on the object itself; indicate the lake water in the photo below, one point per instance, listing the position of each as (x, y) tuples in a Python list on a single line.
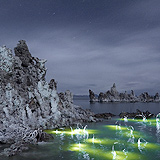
[(117, 108), (111, 139)]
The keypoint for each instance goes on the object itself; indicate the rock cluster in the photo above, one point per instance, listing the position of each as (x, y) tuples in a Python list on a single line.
[(104, 115), (92, 96), (113, 95), (137, 115), (27, 101)]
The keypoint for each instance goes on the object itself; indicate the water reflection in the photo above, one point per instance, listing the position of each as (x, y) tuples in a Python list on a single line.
[(124, 139), (117, 108)]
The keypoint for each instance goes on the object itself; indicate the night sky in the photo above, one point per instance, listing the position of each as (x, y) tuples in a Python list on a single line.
[(89, 44)]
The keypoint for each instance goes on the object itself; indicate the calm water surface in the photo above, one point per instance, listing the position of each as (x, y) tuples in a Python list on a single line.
[(112, 139), (117, 108)]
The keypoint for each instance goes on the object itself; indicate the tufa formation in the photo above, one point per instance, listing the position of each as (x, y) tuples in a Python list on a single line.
[(28, 104)]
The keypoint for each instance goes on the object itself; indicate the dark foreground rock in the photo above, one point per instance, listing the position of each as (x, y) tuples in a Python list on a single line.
[(32, 137), (28, 103), (104, 115), (137, 115)]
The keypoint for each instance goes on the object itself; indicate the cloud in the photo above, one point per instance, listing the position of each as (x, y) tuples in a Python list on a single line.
[(87, 49), (78, 62)]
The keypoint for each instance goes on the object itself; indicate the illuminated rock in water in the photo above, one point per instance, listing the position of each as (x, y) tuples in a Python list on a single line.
[(141, 144), (113, 152), (158, 127), (158, 117), (125, 119), (131, 135), (93, 139), (116, 127)]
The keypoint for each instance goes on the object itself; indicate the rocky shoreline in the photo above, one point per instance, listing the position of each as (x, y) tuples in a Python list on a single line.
[(104, 115), (28, 104), (137, 115), (113, 95)]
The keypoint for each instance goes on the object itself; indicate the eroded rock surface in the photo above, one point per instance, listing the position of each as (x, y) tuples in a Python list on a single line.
[(92, 96), (27, 101), (137, 115), (113, 95), (104, 115)]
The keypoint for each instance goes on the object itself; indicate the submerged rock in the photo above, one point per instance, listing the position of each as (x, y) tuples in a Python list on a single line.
[(27, 101)]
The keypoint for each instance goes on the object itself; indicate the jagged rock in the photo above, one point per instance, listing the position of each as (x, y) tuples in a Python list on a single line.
[(101, 97), (15, 149), (92, 96), (137, 115), (132, 93), (157, 97), (27, 101), (145, 97), (114, 96), (114, 93), (23, 53), (53, 84), (104, 115), (30, 137)]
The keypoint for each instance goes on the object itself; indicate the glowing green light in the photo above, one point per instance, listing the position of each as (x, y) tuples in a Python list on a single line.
[(128, 119), (147, 121), (94, 141), (101, 154), (116, 127), (153, 146), (78, 147), (73, 132), (135, 134), (148, 145), (90, 150), (102, 141), (128, 156)]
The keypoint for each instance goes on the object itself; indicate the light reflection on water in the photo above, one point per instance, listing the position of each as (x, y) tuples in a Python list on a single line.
[(123, 141), (116, 108), (113, 139)]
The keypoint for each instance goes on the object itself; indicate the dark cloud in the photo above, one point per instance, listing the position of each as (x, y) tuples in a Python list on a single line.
[(89, 43)]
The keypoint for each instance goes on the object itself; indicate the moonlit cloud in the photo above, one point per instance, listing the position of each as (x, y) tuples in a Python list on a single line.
[(90, 46)]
